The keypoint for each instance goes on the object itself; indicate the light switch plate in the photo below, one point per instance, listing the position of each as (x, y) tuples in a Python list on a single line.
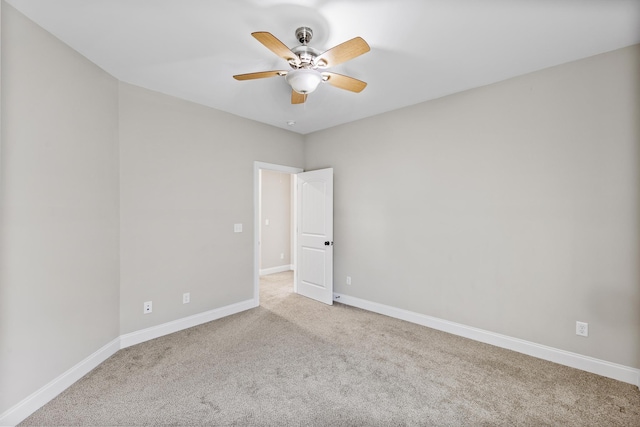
[(237, 228)]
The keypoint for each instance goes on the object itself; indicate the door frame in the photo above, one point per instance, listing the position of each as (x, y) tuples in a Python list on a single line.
[(257, 167)]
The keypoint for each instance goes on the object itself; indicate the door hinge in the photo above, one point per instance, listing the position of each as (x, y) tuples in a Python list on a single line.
[(328, 243)]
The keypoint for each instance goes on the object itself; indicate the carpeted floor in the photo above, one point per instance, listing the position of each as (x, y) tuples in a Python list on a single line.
[(296, 362)]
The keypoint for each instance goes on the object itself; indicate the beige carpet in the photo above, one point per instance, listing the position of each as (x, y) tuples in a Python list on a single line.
[(296, 362)]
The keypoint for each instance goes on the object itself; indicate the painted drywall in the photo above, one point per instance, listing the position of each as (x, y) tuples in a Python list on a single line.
[(275, 237), (513, 208), (59, 287), (76, 145), (186, 179)]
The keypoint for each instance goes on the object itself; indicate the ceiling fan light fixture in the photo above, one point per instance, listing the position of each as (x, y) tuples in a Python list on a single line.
[(307, 63), (304, 81)]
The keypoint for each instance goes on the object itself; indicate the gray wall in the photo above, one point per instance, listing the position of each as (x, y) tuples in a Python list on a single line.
[(112, 195), (186, 178), (512, 208), (59, 209), (275, 238)]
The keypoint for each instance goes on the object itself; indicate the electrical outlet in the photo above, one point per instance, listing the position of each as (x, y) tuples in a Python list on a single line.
[(348, 280), (186, 298), (281, 256), (147, 307), (582, 329)]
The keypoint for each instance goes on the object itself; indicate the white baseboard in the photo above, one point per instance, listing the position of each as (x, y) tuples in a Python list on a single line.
[(147, 334), (278, 269), (596, 366), (39, 398)]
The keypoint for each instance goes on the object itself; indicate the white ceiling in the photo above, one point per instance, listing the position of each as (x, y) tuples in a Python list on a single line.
[(420, 49)]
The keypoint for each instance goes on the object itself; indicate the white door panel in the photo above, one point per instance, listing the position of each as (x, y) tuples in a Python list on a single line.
[(313, 266), (314, 274), (313, 208)]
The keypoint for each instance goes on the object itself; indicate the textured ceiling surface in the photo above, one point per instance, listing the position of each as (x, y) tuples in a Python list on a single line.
[(420, 49)]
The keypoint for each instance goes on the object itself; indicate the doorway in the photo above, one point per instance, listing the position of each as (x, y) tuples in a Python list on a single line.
[(276, 219), (275, 254)]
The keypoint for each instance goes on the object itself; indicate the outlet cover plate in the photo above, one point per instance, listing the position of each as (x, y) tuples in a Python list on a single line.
[(582, 329)]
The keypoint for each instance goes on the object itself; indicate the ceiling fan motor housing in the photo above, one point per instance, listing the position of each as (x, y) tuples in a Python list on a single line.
[(307, 56)]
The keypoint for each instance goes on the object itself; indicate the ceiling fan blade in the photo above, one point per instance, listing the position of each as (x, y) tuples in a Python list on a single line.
[(344, 82), (298, 98), (344, 52), (259, 75), (276, 46)]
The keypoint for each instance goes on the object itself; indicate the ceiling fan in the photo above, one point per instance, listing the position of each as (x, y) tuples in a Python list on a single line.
[(308, 64)]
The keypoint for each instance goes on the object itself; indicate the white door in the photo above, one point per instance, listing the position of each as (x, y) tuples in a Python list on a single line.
[(314, 247)]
